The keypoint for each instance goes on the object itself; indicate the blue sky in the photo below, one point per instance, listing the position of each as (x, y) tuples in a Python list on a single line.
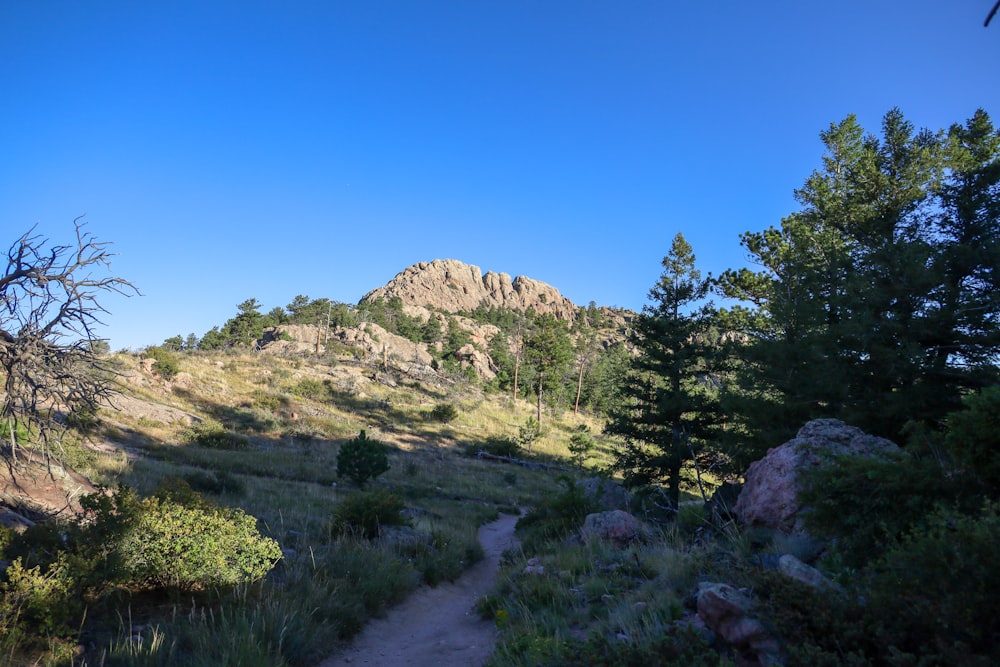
[(232, 150)]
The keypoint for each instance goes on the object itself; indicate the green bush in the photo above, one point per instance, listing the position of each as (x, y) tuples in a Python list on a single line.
[(213, 435), (315, 390), (973, 439), (863, 503), (935, 594), (362, 459), (528, 433), (555, 518), (164, 362), (444, 413), (43, 598), (365, 513), (172, 545), (495, 445)]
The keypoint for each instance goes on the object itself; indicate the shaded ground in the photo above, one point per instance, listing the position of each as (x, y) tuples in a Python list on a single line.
[(437, 626)]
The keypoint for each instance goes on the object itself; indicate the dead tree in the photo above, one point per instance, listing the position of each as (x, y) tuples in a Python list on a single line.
[(51, 360)]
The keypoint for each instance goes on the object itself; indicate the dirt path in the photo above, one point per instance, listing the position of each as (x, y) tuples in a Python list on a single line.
[(437, 626)]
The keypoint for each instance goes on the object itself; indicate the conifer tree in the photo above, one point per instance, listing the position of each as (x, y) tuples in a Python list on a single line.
[(669, 413)]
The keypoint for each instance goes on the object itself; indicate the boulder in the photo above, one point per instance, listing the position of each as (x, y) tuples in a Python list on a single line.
[(605, 494), (727, 613), (793, 568), (769, 498), (616, 526)]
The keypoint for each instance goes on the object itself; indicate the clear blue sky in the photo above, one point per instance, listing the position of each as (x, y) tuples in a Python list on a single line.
[(232, 150)]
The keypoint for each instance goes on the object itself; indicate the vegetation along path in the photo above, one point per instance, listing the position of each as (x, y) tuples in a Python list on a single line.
[(438, 626)]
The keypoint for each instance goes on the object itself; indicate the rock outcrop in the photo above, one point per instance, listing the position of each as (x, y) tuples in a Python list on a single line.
[(728, 613), (452, 286), (769, 498)]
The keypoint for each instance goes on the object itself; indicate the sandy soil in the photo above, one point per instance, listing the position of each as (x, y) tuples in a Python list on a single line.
[(437, 626)]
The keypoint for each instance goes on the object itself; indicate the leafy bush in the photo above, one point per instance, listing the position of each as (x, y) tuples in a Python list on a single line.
[(164, 362), (862, 503), (315, 390), (362, 459), (557, 517), (44, 598), (220, 481), (194, 547), (213, 435), (495, 445), (365, 513), (973, 438), (935, 594), (444, 413)]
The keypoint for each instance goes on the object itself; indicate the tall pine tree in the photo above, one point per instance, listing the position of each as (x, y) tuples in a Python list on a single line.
[(669, 412)]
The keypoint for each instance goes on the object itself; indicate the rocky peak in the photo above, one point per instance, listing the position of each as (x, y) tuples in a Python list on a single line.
[(451, 286)]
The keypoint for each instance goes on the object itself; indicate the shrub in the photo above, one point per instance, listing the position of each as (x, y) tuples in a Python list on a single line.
[(315, 390), (366, 512), (194, 547), (555, 518), (862, 503), (48, 600), (936, 593), (164, 362), (444, 413), (213, 435), (495, 445), (973, 438), (362, 459)]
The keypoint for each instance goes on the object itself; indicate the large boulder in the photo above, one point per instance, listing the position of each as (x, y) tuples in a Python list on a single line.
[(617, 526), (769, 498)]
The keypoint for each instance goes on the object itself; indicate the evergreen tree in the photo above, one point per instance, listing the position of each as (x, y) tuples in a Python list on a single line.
[(876, 302), (669, 414), (547, 351)]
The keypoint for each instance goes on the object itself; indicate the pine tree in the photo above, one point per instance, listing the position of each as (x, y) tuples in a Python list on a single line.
[(669, 413)]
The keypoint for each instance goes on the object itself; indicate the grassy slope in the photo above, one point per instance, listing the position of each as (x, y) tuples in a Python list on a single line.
[(294, 413)]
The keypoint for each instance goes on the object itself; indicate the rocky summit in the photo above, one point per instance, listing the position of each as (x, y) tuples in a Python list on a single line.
[(453, 286)]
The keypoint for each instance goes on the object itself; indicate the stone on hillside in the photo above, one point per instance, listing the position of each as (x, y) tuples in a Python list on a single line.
[(769, 498), (726, 612), (793, 568), (616, 526), (534, 567), (604, 493)]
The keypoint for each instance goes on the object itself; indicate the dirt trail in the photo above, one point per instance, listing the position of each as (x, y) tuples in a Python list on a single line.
[(437, 626)]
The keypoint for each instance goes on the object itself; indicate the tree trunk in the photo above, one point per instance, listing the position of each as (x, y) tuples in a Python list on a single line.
[(517, 365), (579, 389), (539, 410)]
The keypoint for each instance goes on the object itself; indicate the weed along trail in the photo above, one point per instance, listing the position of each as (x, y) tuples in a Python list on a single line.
[(437, 626)]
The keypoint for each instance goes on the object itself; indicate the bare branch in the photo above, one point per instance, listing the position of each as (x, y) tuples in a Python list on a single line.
[(49, 305)]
